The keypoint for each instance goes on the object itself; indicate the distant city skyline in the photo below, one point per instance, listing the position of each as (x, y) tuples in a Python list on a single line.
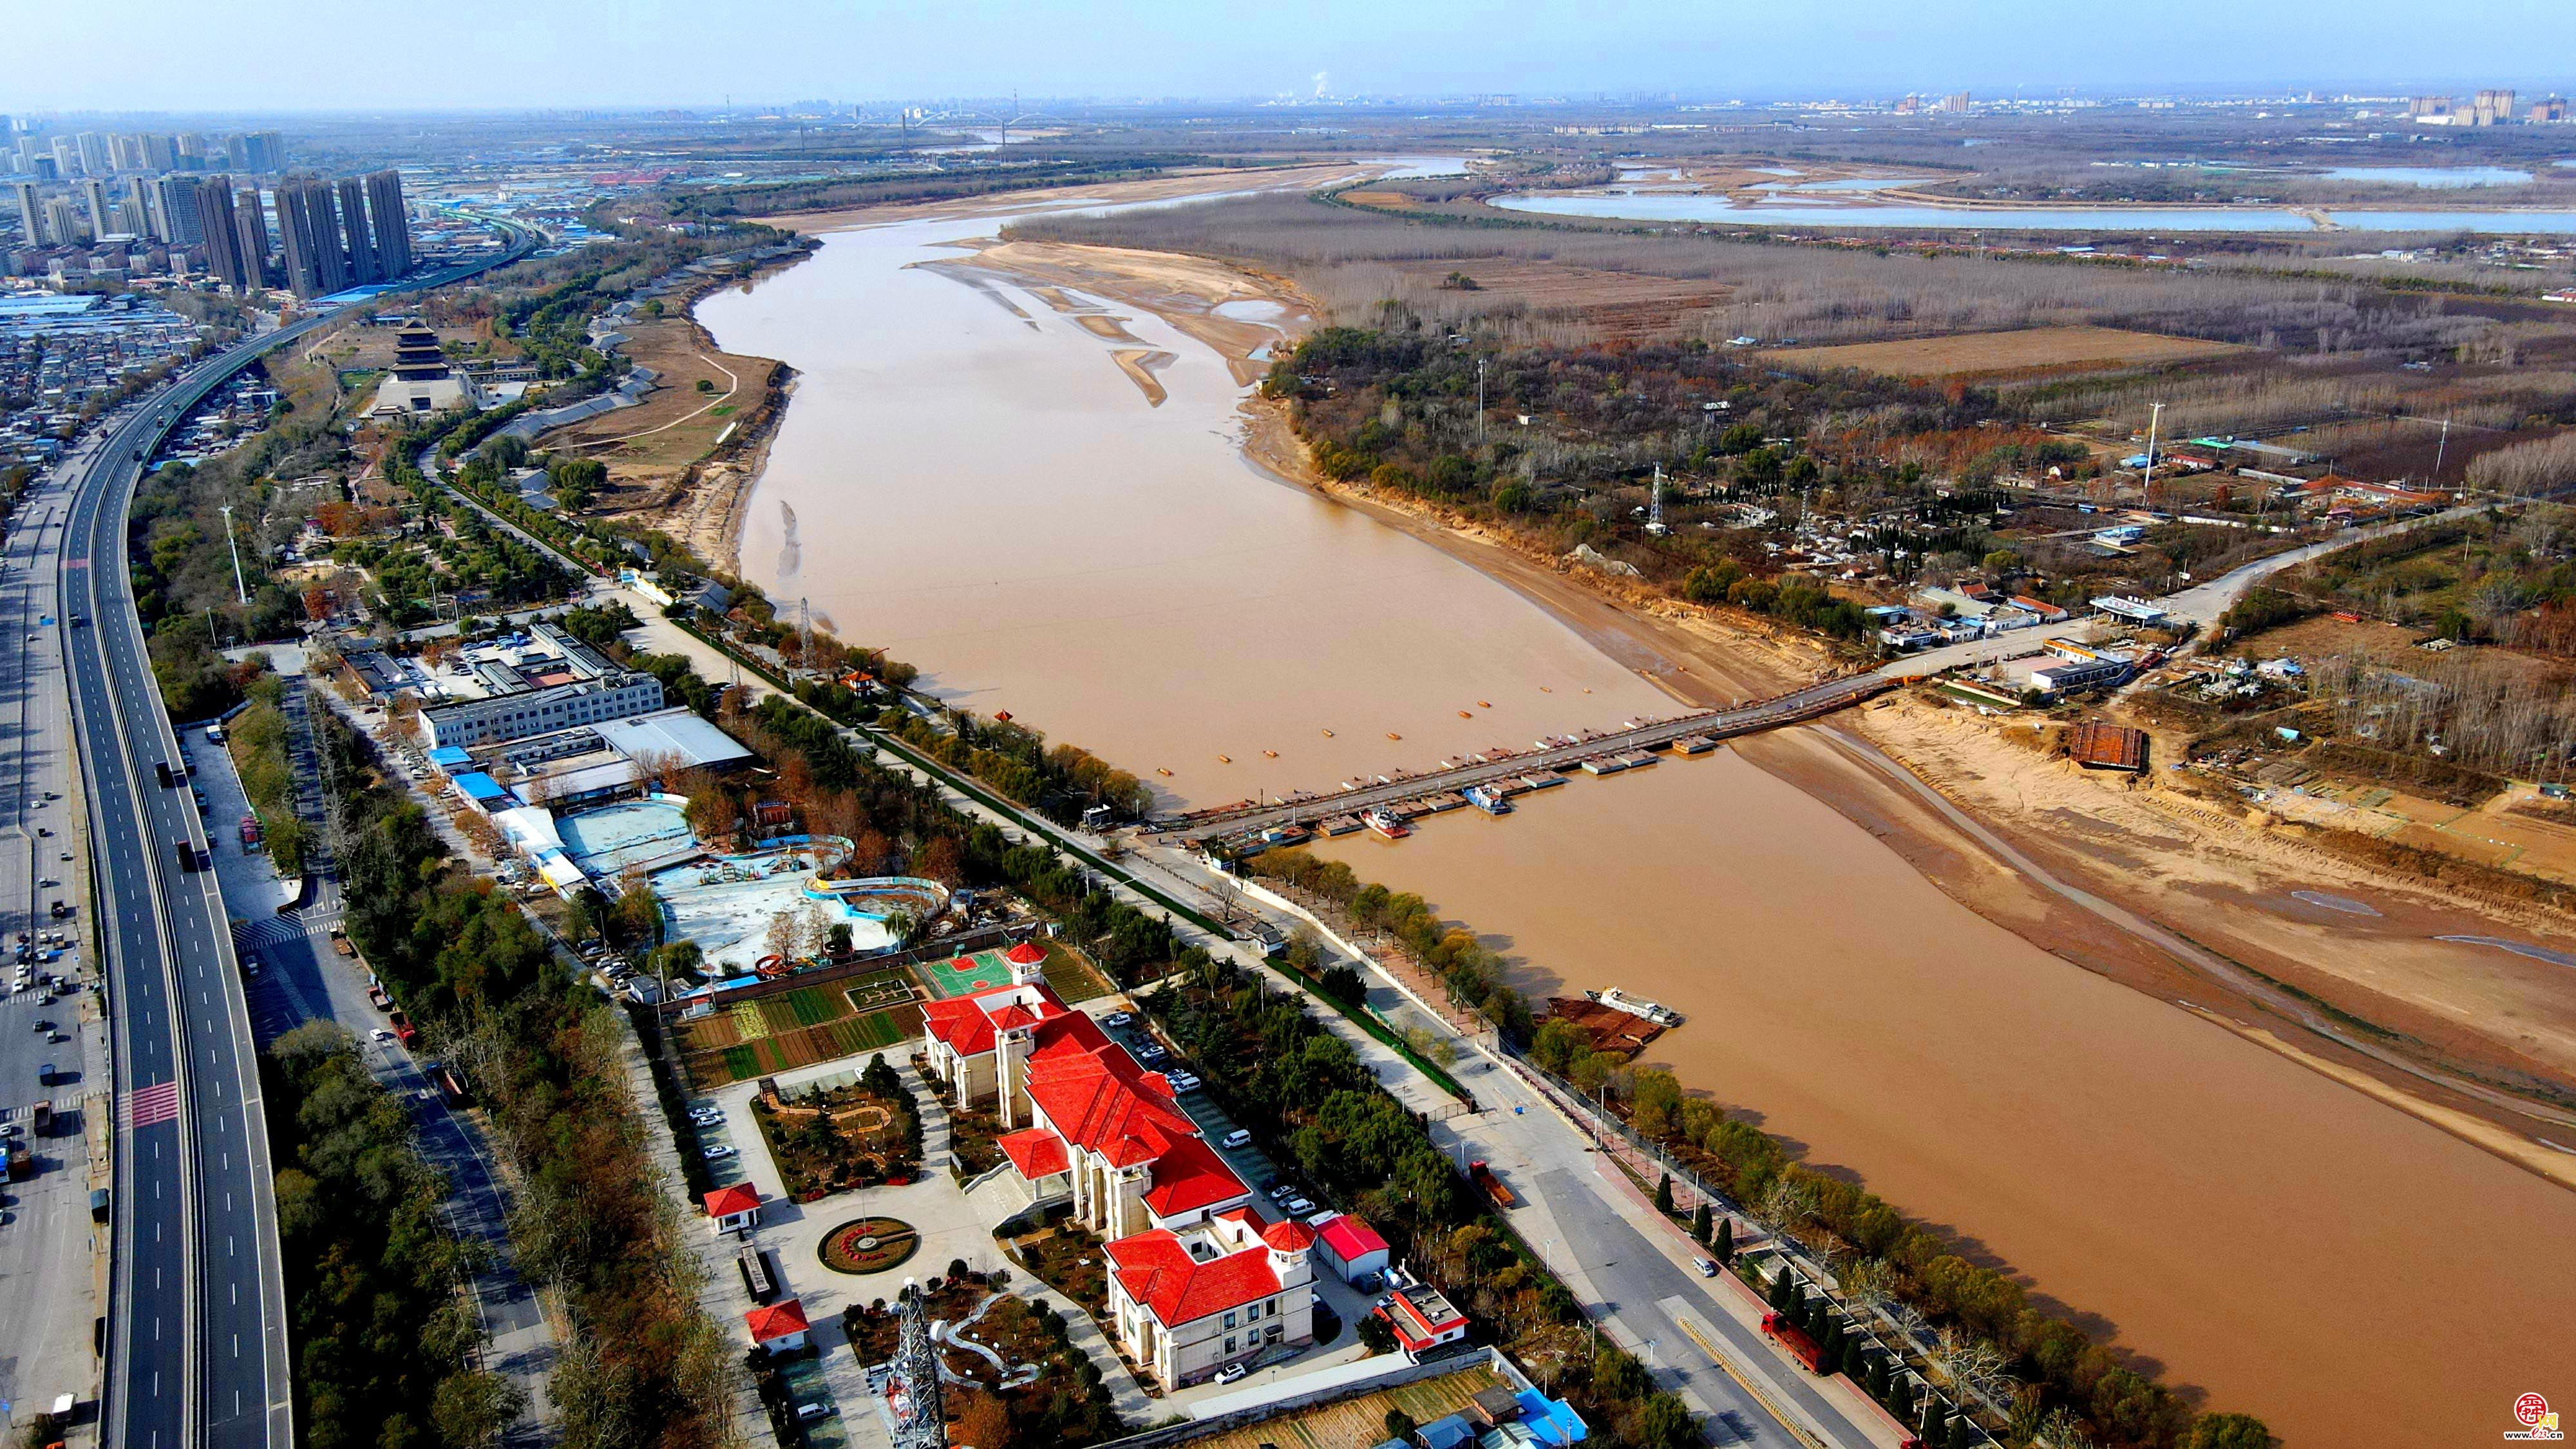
[(492, 55)]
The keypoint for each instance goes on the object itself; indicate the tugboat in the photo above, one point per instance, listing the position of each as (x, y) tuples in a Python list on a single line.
[(1386, 824), (1488, 799)]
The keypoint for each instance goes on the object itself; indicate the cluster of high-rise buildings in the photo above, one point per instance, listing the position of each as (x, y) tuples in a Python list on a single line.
[(328, 235), (2487, 108), (85, 188), (26, 149)]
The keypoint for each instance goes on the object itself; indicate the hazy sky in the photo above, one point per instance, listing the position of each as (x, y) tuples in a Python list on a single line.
[(434, 54)]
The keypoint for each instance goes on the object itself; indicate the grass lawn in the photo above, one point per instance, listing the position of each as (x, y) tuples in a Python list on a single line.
[(1073, 977)]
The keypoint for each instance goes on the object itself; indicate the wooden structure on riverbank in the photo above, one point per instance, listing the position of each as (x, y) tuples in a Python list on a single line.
[(1611, 1029)]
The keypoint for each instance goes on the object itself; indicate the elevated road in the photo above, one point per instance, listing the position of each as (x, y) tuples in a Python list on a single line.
[(197, 1349), (1303, 808)]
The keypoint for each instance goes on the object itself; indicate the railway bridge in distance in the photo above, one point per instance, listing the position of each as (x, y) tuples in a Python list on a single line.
[(1249, 818)]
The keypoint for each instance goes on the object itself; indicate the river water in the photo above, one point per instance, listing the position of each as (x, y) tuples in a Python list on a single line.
[(976, 485), (1721, 209)]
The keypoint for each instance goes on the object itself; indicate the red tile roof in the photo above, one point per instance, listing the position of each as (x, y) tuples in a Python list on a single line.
[(1027, 953), (1101, 1100), (1189, 1176), (1289, 1236), (724, 1202), (966, 1023), (776, 1321), (1351, 1240), (1093, 1094), (1035, 1152), (1159, 1273)]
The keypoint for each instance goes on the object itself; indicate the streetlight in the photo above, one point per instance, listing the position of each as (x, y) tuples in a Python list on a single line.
[(239, 587)]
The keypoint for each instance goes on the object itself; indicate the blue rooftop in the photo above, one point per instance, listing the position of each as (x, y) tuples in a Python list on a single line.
[(478, 786), (447, 756)]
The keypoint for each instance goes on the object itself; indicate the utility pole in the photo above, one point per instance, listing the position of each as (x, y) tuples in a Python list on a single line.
[(2439, 449), (1480, 402), (239, 587)]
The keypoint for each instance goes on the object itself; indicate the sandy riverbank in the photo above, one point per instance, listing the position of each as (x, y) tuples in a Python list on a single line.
[(2497, 1018), (2472, 1010)]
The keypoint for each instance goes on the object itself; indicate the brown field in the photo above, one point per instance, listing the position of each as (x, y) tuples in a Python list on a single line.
[(2027, 351), (1627, 305), (647, 447)]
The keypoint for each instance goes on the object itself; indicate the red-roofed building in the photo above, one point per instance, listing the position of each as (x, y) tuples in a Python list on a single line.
[(1089, 1122), (734, 1208), (1351, 1248), (1422, 1319), (780, 1327), (1185, 1304)]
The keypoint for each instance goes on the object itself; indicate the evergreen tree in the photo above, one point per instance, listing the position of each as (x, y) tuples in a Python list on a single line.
[(1664, 1195), (1700, 1226), (1784, 1290), (1723, 1245), (1829, 1339)]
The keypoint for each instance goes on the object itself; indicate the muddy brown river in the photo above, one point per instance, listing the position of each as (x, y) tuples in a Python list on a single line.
[(976, 484)]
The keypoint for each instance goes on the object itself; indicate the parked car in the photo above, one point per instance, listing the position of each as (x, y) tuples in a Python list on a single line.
[(1118, 1018), (1236, 1138), (1297, 1207), (718, 1153), (1707, 1267), (380, 1034), (707, 1116), (1232, 1372)]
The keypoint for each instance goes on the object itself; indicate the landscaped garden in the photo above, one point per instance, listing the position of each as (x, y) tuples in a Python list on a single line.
[(833, 1139), (1069, 1259), (869, 1245), (1014, 1377), (800, 1028)]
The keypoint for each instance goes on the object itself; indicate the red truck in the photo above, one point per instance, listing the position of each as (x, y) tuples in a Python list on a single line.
[(1777, 1328), (250, 832), (1483, 1176), (404, 1031)]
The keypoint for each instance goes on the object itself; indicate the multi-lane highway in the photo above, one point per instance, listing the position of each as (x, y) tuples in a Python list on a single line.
[(196, 1318)]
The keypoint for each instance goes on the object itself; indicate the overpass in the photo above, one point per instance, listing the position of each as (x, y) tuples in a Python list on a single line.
[(196, 1347), (1250, 817)]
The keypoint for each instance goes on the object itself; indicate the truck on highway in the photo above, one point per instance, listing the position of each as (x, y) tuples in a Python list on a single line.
[(1777, 1328), (1483, 1176), (22, 1160), (250, 836), (40, 1118), (340, 942), (404, 1031)]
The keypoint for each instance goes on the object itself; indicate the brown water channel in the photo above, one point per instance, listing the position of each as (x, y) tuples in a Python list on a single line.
[(975, 484)]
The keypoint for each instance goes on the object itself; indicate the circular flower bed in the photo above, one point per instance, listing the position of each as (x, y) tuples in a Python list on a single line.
[(869, 1245)]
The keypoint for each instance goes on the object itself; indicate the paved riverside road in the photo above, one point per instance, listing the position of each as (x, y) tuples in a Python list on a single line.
[(198, 1328), (196, 1335), (2200, 605)]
